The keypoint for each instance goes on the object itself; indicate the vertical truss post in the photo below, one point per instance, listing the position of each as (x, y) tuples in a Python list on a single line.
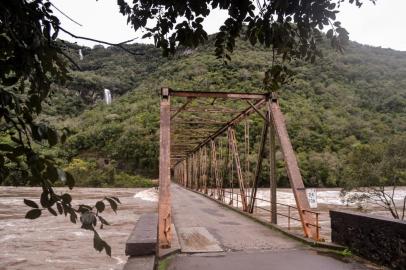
[(187, 171), (194, 171), (246, 154), (200, 176), (295, 178), (215, 167), (204, 165), (234, 150), (272, 167), (258, 167), (184, 173), (197, 170), (164, 208), (190, 172)]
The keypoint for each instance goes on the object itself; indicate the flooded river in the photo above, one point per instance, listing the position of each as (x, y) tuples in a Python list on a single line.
[(54, 243), (327, 199)]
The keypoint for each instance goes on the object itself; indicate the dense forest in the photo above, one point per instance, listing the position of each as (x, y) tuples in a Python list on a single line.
[(333, 106)]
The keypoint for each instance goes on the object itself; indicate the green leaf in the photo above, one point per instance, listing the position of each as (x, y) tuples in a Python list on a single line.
[(73, 216), (52, 173), (116, 199), (103, 221), (33, 214), (59, 207), (45, 199), (147, 35), (97, 242), (84, 208), (52, 211), (199, 20), (113, 204), (329, 33), (66, 198), (31, 203), (107, 248), (100, 206)]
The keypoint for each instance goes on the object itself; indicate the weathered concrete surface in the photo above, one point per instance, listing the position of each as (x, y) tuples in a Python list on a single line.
[(140, 263), (143, 239), (248, 245), (197, 240), (379, 239), (233, 231), (262, 260)]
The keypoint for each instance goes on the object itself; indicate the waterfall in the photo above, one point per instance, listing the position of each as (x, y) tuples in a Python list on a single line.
[(80, 54), (107, 96)]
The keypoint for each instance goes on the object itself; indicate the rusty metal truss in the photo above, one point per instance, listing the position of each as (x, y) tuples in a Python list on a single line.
[(205, 145)]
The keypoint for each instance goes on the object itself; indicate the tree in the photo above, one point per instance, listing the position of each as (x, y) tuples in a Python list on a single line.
[(376, 171), (31, 60), (290, 27)]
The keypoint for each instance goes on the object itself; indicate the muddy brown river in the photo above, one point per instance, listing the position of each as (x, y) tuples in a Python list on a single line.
[(54, 243)]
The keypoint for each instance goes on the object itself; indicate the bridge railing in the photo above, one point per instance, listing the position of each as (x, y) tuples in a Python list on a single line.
[(291, 210)]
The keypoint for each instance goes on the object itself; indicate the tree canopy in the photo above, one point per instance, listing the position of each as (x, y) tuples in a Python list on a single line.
[(290, 27)]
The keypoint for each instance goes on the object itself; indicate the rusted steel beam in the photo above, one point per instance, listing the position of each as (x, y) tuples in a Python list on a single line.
[(184, 173), (247, 153), (234, 150), (204, 110), (164, 206), (234, 121), (204, 169), (210, 120), (215, 166), (272, 168), (181, 108), (295, 178), (258, 111), (182, 145), (206, 122), (188, 128), (227, 95), (258, 166)]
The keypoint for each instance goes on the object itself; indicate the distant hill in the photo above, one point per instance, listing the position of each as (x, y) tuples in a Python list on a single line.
[(358, 97)]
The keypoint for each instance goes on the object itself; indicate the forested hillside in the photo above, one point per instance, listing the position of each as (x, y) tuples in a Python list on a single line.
[(341, 101)]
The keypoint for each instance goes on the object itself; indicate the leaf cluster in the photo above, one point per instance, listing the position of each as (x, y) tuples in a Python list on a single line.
[(88, 215)]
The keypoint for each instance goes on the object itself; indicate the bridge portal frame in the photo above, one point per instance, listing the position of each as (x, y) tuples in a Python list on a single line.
[(274, 125)]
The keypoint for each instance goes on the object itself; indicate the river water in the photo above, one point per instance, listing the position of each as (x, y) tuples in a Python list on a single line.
[(54, 243)]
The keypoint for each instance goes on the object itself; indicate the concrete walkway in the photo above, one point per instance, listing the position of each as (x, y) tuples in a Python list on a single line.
[(246, 243)]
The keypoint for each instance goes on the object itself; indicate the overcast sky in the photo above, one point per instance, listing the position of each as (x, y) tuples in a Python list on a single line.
[(381, 25)]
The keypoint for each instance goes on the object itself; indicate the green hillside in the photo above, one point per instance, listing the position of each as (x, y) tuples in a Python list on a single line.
[(343, 100)]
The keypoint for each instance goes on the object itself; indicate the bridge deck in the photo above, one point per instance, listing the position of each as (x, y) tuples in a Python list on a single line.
[(246, 244)]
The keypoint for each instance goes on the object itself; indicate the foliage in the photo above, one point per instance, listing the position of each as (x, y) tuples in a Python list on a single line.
[(330, 108), (31, 60), (377, 170), (290, 28), (88, 173)]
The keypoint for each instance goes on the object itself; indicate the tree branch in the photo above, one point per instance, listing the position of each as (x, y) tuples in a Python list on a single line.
[(119, 45)]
